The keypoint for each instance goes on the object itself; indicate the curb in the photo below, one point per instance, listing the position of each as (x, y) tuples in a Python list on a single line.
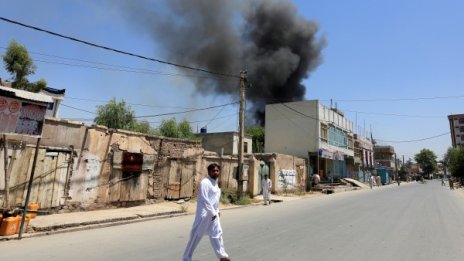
[(94, 224)]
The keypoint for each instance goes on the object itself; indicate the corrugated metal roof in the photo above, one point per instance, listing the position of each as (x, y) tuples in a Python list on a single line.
[(31, 96)]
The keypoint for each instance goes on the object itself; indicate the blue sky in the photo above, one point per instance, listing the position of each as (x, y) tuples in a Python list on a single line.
[(391, 66)]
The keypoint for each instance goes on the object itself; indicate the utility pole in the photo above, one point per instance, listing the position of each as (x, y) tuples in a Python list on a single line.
[(243, 81)]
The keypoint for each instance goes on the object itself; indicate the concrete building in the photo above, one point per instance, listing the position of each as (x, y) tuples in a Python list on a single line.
[(457, 129), (53, 96), (224, 143), (57, 95), (385, 163), (385, 156), (363, 157), (308, 129)]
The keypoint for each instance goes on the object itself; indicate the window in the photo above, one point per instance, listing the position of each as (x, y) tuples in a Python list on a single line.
[(461, 129), (350, 142), (461, 120), (245, 147), (324, 135), (337, 137)]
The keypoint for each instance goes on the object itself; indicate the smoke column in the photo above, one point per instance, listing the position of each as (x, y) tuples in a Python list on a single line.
[(268, 38)]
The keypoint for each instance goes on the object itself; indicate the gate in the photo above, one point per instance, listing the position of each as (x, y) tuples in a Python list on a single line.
[(180, 179)]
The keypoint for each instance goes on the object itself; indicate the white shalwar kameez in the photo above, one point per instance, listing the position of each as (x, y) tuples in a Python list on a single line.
[(207, 207), (267, 185)]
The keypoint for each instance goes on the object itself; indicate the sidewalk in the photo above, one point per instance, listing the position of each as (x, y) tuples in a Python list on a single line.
[(76, 221)]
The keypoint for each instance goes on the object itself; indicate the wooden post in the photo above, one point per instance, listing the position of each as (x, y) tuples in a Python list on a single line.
[(6, 203), (31, 179)]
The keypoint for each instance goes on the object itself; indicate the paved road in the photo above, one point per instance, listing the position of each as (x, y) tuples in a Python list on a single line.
[(410, 222)]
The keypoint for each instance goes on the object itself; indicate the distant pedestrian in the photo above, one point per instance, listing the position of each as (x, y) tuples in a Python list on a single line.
[(267, 185), (443, 181), (398, 181), (378, 181), (371, 181), (207, 221), (316, 179), (451, 183)]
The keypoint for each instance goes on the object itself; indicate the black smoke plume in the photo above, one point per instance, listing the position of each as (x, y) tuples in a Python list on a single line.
[(267, 38)]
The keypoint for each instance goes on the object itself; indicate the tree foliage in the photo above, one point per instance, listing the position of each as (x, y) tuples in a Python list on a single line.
[(454, 160), (170, 128), (20, 65), (427, 161), (257, 134), (119, 115)]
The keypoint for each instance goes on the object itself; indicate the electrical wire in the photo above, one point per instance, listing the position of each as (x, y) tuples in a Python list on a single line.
[(116, 50), (132, 70), (77, 108), (406, 141), (217, 114), (132, 104), (402, 99), (181, 112), (393, 114)]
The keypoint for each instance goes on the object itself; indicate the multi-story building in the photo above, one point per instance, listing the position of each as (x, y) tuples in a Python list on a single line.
[(385, 156), (308, 129), (363, 157), (457, 129), (385, 163)]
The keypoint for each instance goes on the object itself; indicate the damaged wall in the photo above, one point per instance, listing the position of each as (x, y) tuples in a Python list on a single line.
[(287, 172)]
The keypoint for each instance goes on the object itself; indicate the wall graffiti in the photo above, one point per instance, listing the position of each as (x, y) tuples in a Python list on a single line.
[(21, 117)]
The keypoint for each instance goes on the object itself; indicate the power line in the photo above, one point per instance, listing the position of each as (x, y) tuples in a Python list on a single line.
[(116, 50), (77, 108), (393, 114), (377, 99), (131, 70), (197, 121), (405, 141), (132, 104), (181, 112), (163, 114), (217, 114), (401, 99)]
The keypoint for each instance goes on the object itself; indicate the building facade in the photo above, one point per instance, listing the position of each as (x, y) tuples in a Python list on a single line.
[(457, 129), (363, 157), (308, 129), (225, 143)]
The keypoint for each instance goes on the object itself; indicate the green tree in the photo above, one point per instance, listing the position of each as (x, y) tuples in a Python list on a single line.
[(427, 161), (116, 115), (454, 160), (185, 130), (170, 128), (144, 127), (19, 64), (257, 134)]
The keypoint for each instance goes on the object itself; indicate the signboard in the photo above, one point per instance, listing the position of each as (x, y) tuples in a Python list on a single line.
[(287, 178), (21, 117), (323, 153)]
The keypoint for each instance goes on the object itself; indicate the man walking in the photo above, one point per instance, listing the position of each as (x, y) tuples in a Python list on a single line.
[(207, 216), (267, 185), (371, 181)]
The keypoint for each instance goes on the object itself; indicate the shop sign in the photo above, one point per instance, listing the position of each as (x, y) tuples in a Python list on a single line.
[(20, 117)]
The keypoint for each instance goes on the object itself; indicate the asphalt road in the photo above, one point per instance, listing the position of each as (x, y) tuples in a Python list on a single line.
[(411, 222)]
